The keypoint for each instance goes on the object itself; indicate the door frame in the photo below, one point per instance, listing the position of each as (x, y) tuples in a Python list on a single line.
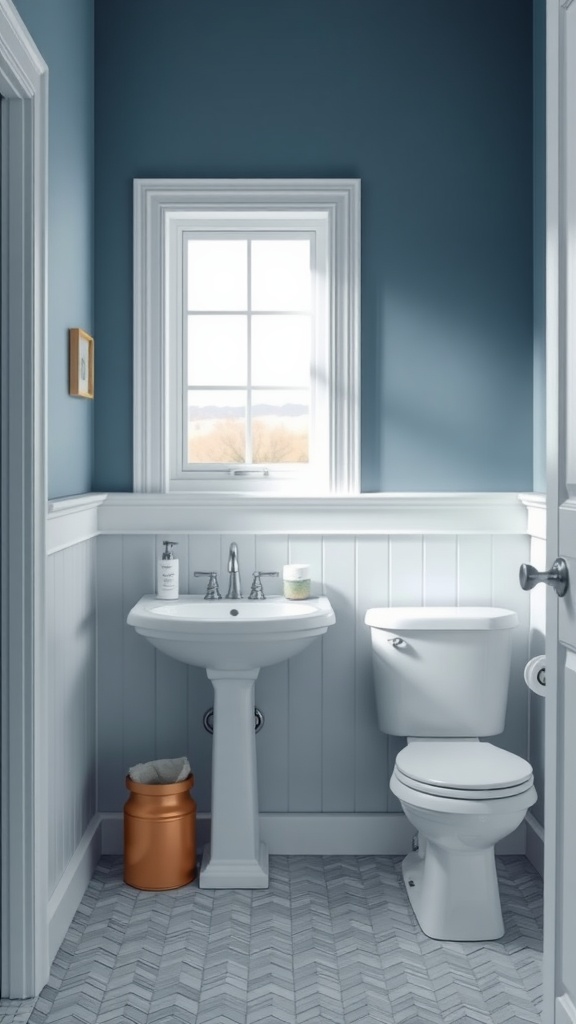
[(556, 1010), (24, 964)]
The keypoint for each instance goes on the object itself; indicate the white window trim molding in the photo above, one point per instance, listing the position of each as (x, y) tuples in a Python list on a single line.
[(24, 930), (155, 201)]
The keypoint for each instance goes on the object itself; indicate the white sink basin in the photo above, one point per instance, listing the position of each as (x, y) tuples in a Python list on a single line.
[(232, 640), (231, 634)]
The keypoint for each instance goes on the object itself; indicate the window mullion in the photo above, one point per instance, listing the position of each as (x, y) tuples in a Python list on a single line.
[(249, 445), (181, 431)]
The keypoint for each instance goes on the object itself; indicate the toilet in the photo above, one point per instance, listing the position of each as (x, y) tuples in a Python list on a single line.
[(441, 679)]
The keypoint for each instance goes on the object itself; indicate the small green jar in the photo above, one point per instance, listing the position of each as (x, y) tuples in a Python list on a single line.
[(296, 580)]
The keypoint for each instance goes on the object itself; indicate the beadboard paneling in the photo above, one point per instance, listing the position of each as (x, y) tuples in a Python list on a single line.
[(71, 682), (371, 791), (320, 749), (507, 555), (536, 743), (338, 688), (111, 628), (305, 704)]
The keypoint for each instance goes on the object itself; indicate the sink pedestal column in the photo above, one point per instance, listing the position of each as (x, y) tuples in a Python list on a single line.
[(235, 858)]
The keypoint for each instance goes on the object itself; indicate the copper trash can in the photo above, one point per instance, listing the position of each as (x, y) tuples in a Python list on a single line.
[(159, 835)]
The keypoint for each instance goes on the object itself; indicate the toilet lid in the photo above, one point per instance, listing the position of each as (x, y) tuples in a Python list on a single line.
[(460, 765)]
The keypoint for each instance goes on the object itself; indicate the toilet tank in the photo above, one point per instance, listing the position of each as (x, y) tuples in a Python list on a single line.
[(441, 671)]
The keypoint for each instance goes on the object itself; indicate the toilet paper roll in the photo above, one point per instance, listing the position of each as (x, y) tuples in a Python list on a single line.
[(535, 675)]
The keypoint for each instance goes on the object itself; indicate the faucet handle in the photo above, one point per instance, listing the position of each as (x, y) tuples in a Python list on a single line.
[(212, 591), (256, 590)]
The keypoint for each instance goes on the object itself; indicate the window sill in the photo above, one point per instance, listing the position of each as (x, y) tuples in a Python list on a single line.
[(245, 513)]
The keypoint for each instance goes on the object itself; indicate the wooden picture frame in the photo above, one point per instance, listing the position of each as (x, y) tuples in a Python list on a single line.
[(81, 363)]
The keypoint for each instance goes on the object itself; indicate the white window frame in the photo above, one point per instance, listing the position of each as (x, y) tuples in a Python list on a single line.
[(164, 211), (279, 478)]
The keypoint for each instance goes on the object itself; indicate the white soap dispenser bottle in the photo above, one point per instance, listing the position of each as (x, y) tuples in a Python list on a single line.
[(168, 572)]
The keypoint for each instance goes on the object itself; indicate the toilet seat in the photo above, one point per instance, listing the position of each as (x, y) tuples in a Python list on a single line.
[(462, 770)]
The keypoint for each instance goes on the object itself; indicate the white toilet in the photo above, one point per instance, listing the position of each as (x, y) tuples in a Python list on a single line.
[(441, 677)]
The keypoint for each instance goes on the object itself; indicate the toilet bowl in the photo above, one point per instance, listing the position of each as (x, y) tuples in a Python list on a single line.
[(441, 679), (481, 795)]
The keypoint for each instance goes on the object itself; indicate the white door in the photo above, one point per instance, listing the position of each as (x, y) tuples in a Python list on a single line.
[(560, 790)]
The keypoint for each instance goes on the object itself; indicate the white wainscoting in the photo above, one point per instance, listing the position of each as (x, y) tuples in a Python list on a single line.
[(320, 753), (71, 620), (536, 505), (72, 520), (320, 749)]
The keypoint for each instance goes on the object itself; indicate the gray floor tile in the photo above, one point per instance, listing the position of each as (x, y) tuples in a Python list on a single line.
[(333, 939)]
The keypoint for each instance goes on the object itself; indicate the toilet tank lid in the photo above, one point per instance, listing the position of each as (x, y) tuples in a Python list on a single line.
[(441, 618)]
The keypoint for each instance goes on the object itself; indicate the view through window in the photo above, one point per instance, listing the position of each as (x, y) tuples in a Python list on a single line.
[(249, 329)]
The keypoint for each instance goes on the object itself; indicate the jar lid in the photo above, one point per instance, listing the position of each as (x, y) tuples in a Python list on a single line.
[(296, 571)]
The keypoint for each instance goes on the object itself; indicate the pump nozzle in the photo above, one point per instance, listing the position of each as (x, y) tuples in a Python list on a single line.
[(168, 545)]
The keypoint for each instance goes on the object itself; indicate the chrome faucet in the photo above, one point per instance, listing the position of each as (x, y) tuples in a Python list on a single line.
[(234, 586)]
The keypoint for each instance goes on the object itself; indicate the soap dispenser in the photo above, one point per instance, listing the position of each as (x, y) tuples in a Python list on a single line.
[(168, 571)]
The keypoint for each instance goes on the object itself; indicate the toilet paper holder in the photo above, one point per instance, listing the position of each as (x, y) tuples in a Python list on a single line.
[(535, 675)]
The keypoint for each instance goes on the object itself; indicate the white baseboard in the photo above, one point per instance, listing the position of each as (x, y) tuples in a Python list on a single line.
[(67, 896), (338, 834), (316, 834), (535, 843), (320, 834)]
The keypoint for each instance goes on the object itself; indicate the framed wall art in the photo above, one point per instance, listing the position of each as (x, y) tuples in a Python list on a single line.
[(81, 363)]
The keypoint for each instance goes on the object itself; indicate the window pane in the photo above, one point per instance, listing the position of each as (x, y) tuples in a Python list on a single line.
[(217, 274), (217, 350), (280, 426), (216, 426), (281, 274), (281, 351)]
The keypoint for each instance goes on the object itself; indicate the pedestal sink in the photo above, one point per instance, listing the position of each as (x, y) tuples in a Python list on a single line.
[(232, 640)]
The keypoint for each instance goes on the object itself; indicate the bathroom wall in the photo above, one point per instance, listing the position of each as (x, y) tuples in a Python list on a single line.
[(73, 840), (536, 748), (539, 242), (430, 105), (323, 764), (320, 750), (71, 683), (63, 30)]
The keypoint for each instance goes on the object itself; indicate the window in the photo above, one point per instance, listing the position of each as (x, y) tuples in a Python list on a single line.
[(246, 336)]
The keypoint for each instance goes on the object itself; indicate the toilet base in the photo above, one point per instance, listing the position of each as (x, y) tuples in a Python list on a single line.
[(454, 895)]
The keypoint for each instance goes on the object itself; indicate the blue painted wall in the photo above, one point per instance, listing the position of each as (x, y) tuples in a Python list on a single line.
[(537, 740), (430, 104), (63, 30), (539, 151)]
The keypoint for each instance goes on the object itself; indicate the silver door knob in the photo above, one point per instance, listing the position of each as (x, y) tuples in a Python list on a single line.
[(556, 577)]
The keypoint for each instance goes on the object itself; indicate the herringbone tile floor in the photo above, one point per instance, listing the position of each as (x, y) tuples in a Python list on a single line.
[(333, 939)]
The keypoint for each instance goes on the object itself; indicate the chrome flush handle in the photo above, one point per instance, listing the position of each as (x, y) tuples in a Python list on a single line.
[(556, 577)]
